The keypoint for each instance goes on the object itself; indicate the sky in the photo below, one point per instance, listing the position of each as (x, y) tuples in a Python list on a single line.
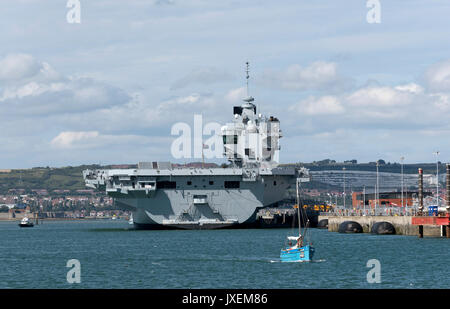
[(108, 90)]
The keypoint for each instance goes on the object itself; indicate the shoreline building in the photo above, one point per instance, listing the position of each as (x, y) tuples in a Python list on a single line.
[(386, 198)]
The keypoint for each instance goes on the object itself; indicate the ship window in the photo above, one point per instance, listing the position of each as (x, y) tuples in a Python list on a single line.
[(274, 183), (189, 183), (200, 196), (230, 139), (232, 184), (146, 184), (211, 183), (166, 185)]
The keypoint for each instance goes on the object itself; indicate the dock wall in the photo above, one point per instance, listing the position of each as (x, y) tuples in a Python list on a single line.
[(279, 218), (402, 224)]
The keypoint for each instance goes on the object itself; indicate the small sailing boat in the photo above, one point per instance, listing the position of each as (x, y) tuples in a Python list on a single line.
[(25, 222), (301, 250)]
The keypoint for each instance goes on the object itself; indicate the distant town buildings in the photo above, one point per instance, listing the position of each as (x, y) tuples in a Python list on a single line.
[(62, 200), (359, 179)]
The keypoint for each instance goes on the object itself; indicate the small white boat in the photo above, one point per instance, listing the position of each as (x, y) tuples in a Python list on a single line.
[(25, 222), (130, 221)]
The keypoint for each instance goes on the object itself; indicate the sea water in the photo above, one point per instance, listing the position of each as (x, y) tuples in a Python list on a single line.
[(111, 255)]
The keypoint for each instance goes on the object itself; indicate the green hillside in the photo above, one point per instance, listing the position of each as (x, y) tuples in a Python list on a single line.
[(66, 178)]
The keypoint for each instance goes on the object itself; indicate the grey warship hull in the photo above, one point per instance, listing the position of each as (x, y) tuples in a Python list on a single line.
[(194, 198)]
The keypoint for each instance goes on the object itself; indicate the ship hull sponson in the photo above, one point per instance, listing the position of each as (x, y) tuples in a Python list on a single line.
[(197, 208)]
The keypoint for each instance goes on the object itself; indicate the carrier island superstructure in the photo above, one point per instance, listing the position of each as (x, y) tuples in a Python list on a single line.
[(162, 196)]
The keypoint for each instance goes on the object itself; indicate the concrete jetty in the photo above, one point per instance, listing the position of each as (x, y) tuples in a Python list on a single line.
[(415, 222), (403, 224), (284, 217)]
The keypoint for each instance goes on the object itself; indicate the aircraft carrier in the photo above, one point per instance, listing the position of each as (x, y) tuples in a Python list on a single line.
[(163, 196)]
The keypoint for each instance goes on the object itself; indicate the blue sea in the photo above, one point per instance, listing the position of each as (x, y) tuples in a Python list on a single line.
[(111, 255)]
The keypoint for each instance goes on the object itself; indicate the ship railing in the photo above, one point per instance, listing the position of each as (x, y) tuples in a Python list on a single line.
[(381, 211)]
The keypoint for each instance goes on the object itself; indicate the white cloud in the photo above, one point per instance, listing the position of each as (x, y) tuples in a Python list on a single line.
[(374, 107), (31, 89), (143, 113), (411, 87), (437, 77), (71, 139), (18, 66), (35, 88), (236, 95), (317, 76), (380, 97), (441, 101), (324, 105)]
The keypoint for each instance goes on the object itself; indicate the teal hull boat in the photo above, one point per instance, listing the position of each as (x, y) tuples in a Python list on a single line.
[(301, 254), (301, 250)]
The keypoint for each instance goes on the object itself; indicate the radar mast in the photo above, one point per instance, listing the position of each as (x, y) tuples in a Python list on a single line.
[(248, 99)]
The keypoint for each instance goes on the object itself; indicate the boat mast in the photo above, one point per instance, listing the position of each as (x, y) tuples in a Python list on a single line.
[(298, 208), (298, 213)]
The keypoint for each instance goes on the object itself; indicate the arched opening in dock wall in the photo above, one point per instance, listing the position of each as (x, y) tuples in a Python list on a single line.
[(383, 228), (350, 227), (323, 224)]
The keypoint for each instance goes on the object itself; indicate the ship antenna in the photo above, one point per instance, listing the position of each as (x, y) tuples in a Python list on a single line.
[(248, 99), (248, 76)]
